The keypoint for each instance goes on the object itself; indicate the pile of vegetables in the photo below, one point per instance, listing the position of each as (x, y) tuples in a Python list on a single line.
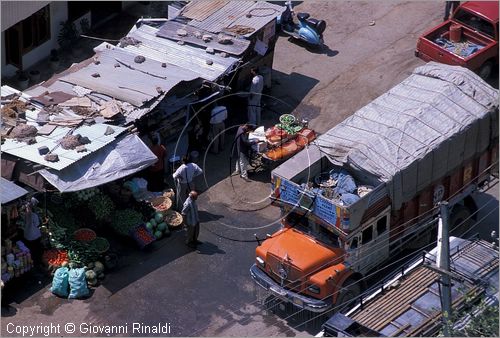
[(81, 253), (84, 235), (101, 206), (55, 257), (122, 221), (87, 194), (95, 271), (157, 226), (287, 123)]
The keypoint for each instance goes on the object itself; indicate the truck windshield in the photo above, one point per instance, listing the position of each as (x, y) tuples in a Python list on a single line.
[(320, 233), (475, 22)]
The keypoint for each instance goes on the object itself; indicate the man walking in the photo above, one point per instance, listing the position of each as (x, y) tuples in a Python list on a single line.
[(241, 148), (217, 128), (183, 178), (191, 219), (254, 97)]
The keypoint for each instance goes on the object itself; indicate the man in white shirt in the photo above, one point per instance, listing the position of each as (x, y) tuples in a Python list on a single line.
[(254, 98), (184, 179), (217, 128)]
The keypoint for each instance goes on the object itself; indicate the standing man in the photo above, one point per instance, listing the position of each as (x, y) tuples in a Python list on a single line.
[(449, 8), (254, 97), (157, 170), (191, 219), (241, 149), (217, 128), (183, 178)]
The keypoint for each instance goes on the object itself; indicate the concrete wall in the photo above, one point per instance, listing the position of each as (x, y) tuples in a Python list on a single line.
[(58, 13)]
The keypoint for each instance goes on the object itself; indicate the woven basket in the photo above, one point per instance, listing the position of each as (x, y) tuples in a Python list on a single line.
[(161, 203), (173, 219), (82, 230)]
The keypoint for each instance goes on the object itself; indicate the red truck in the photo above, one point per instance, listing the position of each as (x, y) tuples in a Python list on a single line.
[(468, 39)]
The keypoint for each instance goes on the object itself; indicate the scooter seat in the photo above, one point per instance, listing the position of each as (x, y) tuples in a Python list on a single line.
[(302, 16), (318, 25)]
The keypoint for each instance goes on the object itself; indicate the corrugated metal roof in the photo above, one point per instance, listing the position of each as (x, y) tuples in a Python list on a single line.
[(261, 13), (235, 13), (200, 10), (95, 133), (169, 30), (10, 191), (183, 56), (224, 17), (136, 83)]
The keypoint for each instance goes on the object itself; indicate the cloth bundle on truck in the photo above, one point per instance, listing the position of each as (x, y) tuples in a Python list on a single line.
[(431, 138)]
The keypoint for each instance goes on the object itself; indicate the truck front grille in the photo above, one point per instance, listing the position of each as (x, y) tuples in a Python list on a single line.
[(292, 281)]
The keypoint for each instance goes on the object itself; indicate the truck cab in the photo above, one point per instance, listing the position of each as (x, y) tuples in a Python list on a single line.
[(469, 38)]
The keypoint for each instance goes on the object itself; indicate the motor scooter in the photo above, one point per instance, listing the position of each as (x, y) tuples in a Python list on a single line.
[(307, 29)]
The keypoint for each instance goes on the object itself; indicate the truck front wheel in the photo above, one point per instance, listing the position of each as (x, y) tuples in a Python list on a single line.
[(347, 296), (460, 220), (486, 70)]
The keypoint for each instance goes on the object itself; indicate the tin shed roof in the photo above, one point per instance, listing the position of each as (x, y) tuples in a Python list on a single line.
[(10, 191)]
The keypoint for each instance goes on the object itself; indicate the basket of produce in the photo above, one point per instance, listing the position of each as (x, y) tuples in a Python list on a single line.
[(173, 218), (287, 119), (142, 236), (161, 203), (100, 244), (169, 193), (55, 257), (84, 235), (157, 225)]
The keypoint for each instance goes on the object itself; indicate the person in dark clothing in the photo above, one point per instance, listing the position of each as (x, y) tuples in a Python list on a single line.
[(449, 8), (241, 149), (156, 172)]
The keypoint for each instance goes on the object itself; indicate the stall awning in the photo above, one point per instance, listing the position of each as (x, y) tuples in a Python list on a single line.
[(117, 160), (10, 191)]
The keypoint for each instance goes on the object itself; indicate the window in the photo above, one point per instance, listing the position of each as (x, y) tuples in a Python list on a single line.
[(475, 23), (27, 35), (367, 235), (354, 243), (381, 225)]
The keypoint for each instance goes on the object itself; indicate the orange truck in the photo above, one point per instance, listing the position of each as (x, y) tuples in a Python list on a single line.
[(369, 187), (469, 38)]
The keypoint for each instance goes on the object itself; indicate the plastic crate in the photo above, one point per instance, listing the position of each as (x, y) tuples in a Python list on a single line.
[(142, 240)]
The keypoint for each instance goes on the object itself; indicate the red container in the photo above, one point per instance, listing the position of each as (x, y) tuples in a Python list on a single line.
[(455, 33)]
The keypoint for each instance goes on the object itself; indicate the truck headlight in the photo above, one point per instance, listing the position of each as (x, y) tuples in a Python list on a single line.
[(314, 289), (261, 261)]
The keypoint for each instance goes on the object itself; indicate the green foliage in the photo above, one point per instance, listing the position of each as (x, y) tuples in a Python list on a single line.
[(101, 206), (67, 35), (122, 221)]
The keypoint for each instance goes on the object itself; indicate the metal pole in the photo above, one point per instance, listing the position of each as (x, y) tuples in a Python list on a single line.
[(443, 262)]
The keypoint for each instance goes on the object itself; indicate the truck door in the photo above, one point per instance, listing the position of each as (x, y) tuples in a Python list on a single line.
[(374, 246)]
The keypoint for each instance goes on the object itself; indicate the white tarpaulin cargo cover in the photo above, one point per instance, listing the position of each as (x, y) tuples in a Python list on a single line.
[(419, 131), (116, 160)]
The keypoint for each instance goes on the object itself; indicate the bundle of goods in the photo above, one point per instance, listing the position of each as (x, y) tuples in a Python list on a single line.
[(340, 186), (70, 283), (16, 260), (289, 148)]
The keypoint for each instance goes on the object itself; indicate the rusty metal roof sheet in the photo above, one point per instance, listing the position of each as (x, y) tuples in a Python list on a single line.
[(169, 30), (254, 15), (200, 10)]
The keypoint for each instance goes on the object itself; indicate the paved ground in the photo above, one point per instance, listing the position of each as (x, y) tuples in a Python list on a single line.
[(209, 292)]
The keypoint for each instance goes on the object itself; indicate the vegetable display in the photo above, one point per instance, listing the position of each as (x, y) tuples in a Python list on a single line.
[(55, 257), (122, 221), (101, 206), (87, 194)]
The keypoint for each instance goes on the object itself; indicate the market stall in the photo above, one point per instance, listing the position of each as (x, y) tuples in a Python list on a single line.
[(281, 141)]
